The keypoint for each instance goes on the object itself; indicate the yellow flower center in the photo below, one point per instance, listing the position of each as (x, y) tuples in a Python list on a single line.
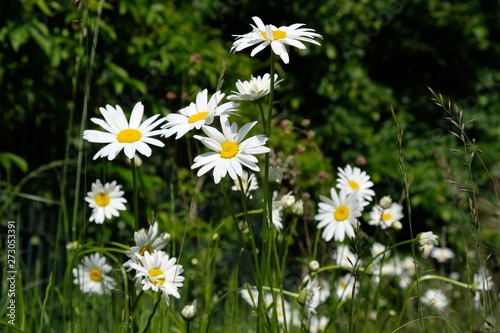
[(154, 273), (386, 217), (277, 34), (198, 116), (95, 275), (145, 249), (341, 213), (354, 185), (102, 199), (129, 135), (229, 149)]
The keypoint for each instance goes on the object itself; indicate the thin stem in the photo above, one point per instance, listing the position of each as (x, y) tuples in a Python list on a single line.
[(150, 318), (402, 168), (135, 194)]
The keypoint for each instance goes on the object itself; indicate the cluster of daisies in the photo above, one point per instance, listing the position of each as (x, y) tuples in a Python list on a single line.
[(229, 152), (154, 268)]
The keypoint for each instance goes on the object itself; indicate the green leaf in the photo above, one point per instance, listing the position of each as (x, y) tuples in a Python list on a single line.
[(6, 159)]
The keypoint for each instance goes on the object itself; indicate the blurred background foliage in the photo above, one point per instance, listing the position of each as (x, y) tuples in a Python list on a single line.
[(334, 105)]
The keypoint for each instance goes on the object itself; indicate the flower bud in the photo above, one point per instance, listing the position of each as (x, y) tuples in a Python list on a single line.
[(314, 265), (189, 312), (397, 225), (275, 177), (385, 202)]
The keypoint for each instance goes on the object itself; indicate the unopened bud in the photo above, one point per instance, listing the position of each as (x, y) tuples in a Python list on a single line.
[(189, 312), (314, 265), (385, 202), (302, 297), (298, 208), (275, 177), (396, 225)]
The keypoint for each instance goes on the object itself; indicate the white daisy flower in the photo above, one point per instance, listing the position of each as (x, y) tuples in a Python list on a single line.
[(317, 324), (435, 298), (263, 35), (346, 286), (355, 180), (160, 273), (384, 218), (307, 298), (251, 296), (229, 150), (197, 115), (344, 257), (90, 275), (255, 89), (442, 254), (130, 136), (249, 182), (482, 281), (105, 200), (426, 242), (378, 251), (338, 215), (145, 242)]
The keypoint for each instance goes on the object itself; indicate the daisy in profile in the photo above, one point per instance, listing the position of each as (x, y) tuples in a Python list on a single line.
[(145, 242), (338, 215), (105, 200), (264, 35), (255, 89), (277, 213), (355, 180), (159, 273), (435, 298), (345, 257), (90, 275), (249, 182), (384, 218), (442, 254), (307, 298), (197, 115), (426, 242), (229, 151), (131, 136)]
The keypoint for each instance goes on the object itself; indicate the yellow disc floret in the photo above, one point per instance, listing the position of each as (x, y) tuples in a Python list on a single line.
[(198, 116), (277, 34), (129, 135), (102, 199), (229, 149), (341, 213), (95, 275)]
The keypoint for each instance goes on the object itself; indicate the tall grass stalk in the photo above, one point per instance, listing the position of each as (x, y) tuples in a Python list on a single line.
[(402, 169)]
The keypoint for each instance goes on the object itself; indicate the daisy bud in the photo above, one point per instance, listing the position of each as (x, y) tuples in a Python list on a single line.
[(314, 265), (396, 225), (275, 177), (427, 238), (385, 202), (189, 312), (287, 201), (302, 297)]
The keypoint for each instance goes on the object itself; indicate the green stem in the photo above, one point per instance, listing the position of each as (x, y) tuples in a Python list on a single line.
[(402, 168), (135, 194), (429, 277), (150, 318)]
